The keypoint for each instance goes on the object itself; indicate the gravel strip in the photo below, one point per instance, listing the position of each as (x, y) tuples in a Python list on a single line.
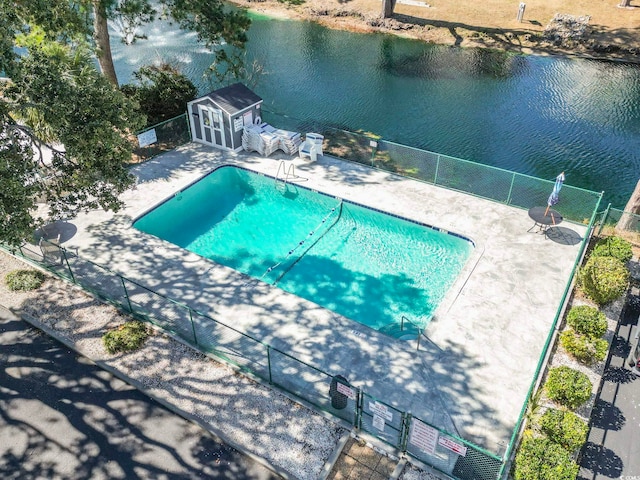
[(266, 423)]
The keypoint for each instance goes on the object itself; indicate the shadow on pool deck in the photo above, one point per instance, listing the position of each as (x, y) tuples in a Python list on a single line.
[(470, 378)]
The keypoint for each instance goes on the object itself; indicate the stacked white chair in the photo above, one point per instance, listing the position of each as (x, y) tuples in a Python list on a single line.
[(312, 146), (266, 139)]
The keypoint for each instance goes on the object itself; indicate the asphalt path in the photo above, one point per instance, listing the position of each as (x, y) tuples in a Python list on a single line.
[(62, 417), (613, 446)]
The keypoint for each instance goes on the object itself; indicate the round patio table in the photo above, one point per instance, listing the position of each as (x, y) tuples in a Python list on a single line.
[(544, 218)]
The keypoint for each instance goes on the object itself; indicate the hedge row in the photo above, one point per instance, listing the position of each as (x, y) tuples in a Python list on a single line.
[(546, 450)]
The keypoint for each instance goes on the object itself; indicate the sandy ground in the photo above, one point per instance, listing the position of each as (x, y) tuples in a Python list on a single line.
[(611, 33)]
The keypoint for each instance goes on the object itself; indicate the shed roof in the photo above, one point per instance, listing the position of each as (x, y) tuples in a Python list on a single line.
[(234, 98)]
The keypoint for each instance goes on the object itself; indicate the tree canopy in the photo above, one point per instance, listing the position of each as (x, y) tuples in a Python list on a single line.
[(55, 100), (162, 92), (63, 135)]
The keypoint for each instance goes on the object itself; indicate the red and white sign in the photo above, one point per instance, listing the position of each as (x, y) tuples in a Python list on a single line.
[(346, 390), (455, 447)]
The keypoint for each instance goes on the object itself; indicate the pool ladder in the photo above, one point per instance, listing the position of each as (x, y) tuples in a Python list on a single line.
[(286, 172)]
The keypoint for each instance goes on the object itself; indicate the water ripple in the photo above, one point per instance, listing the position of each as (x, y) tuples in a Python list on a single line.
[(534, 115)]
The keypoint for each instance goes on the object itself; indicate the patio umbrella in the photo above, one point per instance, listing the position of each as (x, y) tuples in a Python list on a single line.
[(555, 194)]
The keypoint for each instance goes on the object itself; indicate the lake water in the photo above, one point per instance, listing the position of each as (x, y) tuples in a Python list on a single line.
[(531, 114)]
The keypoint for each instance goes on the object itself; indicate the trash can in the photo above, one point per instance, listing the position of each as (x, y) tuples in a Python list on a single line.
[(338, 400)]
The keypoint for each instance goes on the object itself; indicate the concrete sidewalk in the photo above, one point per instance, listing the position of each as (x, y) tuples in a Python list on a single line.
[(611, 450)]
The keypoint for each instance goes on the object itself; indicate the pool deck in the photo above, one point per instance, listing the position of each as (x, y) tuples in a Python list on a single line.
[(470, 378)]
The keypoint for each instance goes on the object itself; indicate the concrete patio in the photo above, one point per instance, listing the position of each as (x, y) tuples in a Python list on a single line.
[(470, 378)]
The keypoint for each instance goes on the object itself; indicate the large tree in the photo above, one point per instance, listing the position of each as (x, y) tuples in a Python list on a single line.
[(88, 120), (221, 28), (56, 98)]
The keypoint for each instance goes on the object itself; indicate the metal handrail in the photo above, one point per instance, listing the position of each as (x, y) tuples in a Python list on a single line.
[(291, 171), (420, 330)]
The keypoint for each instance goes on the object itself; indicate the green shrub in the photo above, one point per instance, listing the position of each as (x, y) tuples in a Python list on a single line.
[(128, 336), (564, 428), (24, 280), (568, 387), (588, 321), (603, 279), (613, 247), (585, 349), (161, 90), (541, 459)]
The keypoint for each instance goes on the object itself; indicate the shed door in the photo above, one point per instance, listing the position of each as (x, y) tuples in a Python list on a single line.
[(212, 128)]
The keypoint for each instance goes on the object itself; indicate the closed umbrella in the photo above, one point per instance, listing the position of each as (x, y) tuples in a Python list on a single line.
[(555, 194)]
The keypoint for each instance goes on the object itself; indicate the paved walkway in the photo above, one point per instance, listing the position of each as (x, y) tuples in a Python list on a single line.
[(612, 448), (61, 416), (471, 378)]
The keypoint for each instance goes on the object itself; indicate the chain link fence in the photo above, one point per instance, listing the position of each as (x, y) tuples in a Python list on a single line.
[(618, 222), (334, 394), (442, 450), (504, 186), (484, 181), (161, 138)]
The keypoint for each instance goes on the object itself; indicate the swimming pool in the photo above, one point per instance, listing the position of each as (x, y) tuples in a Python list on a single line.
[(364, 264)]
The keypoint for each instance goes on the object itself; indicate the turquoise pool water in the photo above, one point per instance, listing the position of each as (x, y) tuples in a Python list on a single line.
[(364, 264)]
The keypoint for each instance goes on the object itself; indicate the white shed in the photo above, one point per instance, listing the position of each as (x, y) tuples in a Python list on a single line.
[(218, 118)]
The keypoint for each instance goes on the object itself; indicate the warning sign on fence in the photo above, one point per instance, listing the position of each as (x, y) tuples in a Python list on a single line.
[(455, 447), (378, 422), (147, 138), (423, 436), (346, 390), (382, 410)]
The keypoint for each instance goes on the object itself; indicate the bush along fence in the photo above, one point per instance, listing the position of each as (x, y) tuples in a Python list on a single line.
[(425, 442), (613, 218), (556, 434)]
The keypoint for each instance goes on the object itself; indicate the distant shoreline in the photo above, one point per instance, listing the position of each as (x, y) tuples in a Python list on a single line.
[(527, 43)]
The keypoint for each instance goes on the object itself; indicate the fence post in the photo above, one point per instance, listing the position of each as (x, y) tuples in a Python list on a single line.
[(603, 219), (66, 260), (126, 293), (269, 364), (186, 116), (193, 327), (513, 179), (404, 433), (359, 407), (435, 178)]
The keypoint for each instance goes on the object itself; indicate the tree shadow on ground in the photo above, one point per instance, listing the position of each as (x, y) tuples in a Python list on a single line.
[(302, 330), (606, 416), (505, 37), (72, 420), (601, 460), (620, 38)]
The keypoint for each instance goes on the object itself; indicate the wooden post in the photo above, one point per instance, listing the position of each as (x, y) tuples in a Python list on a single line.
[(521, 11), (387, 8)]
